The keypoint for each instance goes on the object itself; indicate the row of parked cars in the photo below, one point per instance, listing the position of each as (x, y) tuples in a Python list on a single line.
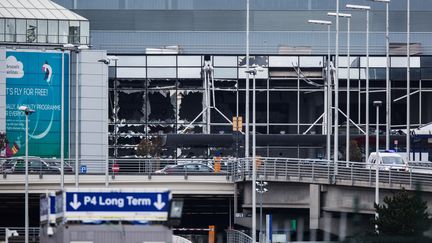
[(37, 165)]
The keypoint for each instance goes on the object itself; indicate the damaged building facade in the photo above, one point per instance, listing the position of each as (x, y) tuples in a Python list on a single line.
[(161, 94), (153, 95)]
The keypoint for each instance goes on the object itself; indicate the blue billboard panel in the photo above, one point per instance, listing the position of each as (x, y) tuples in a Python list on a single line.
[(34, 79)]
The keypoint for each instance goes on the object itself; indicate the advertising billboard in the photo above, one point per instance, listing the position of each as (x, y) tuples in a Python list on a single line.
[(34, 79)]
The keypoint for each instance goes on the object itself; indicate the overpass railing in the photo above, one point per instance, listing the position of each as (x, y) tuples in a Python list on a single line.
[(272, 169), (236, 236), (33, 234), (341, 172)]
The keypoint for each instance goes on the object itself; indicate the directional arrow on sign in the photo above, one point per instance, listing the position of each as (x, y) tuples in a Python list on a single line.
[(159, 204), (75, 204)]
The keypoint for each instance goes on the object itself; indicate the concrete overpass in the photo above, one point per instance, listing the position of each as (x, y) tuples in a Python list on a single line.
[(178, 184), (317, 188)]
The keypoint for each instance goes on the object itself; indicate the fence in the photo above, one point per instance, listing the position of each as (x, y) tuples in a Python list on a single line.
[(238, 236), (271, 169), (33, 234), (341, 172)]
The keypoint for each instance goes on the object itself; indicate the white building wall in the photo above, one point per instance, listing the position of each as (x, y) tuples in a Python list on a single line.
[(93, 110)]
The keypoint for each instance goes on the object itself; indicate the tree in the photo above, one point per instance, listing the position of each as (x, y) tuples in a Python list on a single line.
[(355, 154), (150, 147), (405, 215)]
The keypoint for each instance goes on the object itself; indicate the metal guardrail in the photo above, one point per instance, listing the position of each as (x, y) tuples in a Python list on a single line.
[(327, 172), (236, 236), (33, 234), (271, 169)]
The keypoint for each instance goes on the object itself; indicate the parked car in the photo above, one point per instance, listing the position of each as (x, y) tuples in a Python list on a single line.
[(36, 166), (189, 168), (386, 161), (68, 169)]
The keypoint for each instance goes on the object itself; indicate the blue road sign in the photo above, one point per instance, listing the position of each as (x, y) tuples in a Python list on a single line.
[(116, 205), (83, 169)]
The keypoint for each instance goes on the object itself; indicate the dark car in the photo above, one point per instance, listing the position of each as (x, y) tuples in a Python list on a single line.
[(36, 165), (188, 168), (68, 169)]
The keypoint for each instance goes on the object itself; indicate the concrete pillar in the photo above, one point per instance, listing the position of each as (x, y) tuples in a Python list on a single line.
[(314, 206)]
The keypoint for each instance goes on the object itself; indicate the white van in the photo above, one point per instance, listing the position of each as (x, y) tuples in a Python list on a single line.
[(387, 161)]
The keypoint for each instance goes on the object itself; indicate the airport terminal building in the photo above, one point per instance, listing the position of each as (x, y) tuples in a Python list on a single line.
[(157, 82)]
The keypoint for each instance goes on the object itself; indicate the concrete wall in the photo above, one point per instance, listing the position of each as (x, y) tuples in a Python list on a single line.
[(93, 109), (107, 234), (339, 210)]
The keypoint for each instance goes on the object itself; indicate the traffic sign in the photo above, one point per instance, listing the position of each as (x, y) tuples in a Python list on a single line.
[(83, 169), (47, 208), (112, 204)]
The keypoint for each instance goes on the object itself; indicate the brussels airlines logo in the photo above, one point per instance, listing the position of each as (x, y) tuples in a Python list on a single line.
[(46, 68)]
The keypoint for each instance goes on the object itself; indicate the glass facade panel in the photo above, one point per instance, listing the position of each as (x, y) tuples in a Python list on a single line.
[(20, 30), (84, 32), (42, 31), (191, 61), (2, 29), (225, 73), (161, 61), (131, 61), (63, 31), (377, 73), (161, 72), (189, 73), (31, 32), (10, 30), (53, 31), (74, 32), (277, 61), (426, 61), (311, 61), (131, 73), (225, 61), (426, 73)]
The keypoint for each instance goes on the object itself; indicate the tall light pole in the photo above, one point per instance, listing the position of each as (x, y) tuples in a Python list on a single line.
[(261, 190), (62, 122), (348, 101), (328, 88), (408, 126), (367, 9), (247, 85), (388, 82), (377, 104), (27, 111), (253, 72), (336, 80), (77, 50), (107, 61)]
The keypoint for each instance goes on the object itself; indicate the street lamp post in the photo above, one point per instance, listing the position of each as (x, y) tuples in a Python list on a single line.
[(247, 86), (377, 104), (27, 111), (253, 72), (336, 84), (261, 190), (328, 89), (408, 126), (107, 61), (388, 82), (348, 17), (76, 49), (367, 9)]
